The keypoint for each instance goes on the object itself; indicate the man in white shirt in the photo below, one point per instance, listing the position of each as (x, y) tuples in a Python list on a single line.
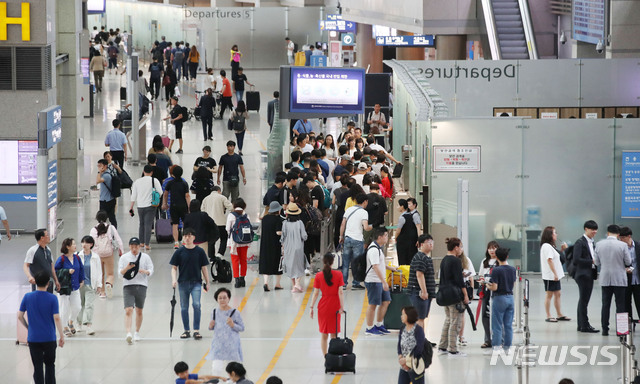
[(290, 47), (141, 192), (377, 121), (354, 222), (377, 288), (134, 286), (218, 207), (362, 170), (371, 143)]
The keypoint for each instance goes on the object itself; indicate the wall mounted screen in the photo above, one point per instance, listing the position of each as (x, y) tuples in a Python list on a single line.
[(96, 6), (19, 161), (331, 91)]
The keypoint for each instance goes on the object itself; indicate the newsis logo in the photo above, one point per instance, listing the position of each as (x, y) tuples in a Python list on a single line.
[(488, 74), (554, 355), (216, 14)]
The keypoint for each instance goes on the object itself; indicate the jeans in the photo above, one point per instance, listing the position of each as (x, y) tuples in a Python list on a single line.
[(240, 139), (110, 208), (501, 321), (239, 95), (145, 215), (207, 129), (178, 67), (405, 377), (193, 289), (43, 353), (350, 250)]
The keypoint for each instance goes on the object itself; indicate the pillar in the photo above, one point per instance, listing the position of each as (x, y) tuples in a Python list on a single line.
[(451, 47), (70, 94), (413, 53), (367, 52)]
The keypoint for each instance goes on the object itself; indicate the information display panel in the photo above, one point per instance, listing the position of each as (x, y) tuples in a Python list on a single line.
[(334, 91), (19, 161)]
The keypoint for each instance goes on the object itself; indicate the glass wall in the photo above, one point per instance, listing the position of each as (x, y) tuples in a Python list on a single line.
[(534, 173)]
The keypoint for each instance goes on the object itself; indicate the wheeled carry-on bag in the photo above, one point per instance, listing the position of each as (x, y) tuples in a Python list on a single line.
[(164, 230), (340, 357), (253, 100), (22, 332), (399, 300)]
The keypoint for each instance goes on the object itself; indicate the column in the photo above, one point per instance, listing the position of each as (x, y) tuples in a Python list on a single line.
[(413, 53), (367, 52), (451, 47)]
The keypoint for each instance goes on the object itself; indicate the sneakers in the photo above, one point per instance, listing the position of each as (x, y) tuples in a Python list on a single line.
[(176, 245), (109, 289), (462, 341), (136, 337), (89, 330), (442, 351), (382, 329), (374, 331), (457, 354), (129, 339), (356, 287), (179, 151), (307, 272)]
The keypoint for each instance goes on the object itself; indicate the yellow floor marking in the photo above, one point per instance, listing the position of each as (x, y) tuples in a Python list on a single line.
[(356, 331), (285, 341), (239, 309)]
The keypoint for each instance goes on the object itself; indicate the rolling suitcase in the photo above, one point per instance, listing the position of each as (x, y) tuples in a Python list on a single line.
[(340, 356), (164, 231), (22, 332), (399, 300), (253, 100)]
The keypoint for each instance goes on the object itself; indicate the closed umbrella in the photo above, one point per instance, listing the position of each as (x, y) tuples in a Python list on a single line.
[(173, 308)]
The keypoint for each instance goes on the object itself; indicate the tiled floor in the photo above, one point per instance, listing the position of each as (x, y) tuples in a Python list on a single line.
[(268, 316)]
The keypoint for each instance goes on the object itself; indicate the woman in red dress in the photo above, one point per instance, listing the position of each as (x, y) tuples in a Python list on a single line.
[(330, 283)]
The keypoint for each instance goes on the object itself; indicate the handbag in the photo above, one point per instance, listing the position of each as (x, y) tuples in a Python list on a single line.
[(166, 80), (177, 91), (448, 295), (234, 181)]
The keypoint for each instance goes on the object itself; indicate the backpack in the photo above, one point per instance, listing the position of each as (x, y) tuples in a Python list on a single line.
[(104, 245), (178, 56), (427, 354), (115, 187), (327, 196), (155, 195), (185, 114), (241, 231), (155, 71), (314, 225), (359, 264), (296, 48), (222, 269), (113, 52), (167, 53), (238, 122), (117, 40)]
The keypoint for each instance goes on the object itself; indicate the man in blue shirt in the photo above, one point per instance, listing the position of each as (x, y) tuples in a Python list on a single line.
[(116, 140), (44, 318), (503, 277), (107, 201), (302, 126)]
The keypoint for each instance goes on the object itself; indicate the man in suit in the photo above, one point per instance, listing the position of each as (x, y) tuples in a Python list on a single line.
[(585, 273), (271, 109), (613, 258), (633, 277)]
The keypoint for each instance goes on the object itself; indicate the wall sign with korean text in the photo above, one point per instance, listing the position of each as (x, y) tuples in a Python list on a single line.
[(456, 158), (630, 203)]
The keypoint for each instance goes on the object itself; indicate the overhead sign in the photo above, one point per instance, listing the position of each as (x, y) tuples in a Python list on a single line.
[(406, 41), (318, 60), (630, 203), (589, 20), (52, 184), (24, 20), (334, 17), (49, 127), (456, 158), (337, 25), (348, 39)]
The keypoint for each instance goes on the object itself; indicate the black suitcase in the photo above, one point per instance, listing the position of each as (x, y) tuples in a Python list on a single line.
[(392, 317), (343, 360), (253, 101), (123, 93)]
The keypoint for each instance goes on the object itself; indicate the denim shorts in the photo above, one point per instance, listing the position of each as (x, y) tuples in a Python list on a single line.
[(376, 294), (422, 306)]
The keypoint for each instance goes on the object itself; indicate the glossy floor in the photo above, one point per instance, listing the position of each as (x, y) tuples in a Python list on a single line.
[(280, 338)]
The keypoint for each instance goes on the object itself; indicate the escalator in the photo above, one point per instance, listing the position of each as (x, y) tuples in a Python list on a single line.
[(509, 29)]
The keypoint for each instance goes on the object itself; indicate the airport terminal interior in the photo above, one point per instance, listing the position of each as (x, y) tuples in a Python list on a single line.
[(280, 337)]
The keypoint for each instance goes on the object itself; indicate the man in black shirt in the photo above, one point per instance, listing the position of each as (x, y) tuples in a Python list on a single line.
[(274, 193), (206, 161), (158, 173), (317, 194), (175, 117), (377, 208), (230, 163), (180, 200), (238, 83), (503, 277), (207, 104), (155, 77), (290, 189)]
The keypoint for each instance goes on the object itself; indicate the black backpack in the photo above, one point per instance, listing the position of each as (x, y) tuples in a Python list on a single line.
[(221, 270), (185, 114), (115, 187), (117, 40), (238, 122), (296, 48), (155, 71), (359, 264)]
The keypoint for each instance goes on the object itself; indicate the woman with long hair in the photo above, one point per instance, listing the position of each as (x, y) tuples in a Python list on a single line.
[(387, 183), (552, 272), (239, 117), (69, 263), (331, 305), (329, 146), (270, 247), (194, 60), (104, 235), (238, 251), (170, 86), (483, 273), (293, 238)]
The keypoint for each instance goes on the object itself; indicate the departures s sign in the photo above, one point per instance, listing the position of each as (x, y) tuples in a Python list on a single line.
[(23, 20)]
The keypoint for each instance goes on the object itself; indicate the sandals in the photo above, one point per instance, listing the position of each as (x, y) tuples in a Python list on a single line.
[(486, 345), (185, 335), (278, 288), (551, 320), (462, 341), (266, 288), (72, 329), (563, 318), (197, 335), (67, 332)]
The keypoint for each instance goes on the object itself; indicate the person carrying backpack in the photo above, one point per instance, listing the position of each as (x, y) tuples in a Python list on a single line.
[(176, 117), (238, 122), (113, 52), (178, 60), (240, 237), (155, 77)]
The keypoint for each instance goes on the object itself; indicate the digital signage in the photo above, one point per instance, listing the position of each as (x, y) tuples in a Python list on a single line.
[(330, 91), (19, 161)]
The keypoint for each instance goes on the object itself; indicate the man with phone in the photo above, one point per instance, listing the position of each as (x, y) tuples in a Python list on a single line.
[(189, 268)]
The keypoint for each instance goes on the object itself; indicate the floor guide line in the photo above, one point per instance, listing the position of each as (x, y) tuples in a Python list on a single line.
[(243, 303), (287, 337)]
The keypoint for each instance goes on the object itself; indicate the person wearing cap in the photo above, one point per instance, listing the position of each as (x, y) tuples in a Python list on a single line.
[(134, 285), (206, 161), (362, 170), (293, 237), (175, 117), (141, 195), (189, 266), (270, 247)]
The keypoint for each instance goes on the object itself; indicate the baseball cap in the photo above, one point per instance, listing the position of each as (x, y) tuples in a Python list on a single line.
[(362, 166), (134, 241), (345, 158)]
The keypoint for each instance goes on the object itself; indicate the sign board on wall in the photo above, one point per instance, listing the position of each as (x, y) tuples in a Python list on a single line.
[(456, 158), (335, 53), (406, 41), (337, 25), (630, 203), (589, 20), (548, 115)]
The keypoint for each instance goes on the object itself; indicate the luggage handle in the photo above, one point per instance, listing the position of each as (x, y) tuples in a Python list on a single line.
[(345, 322), (252, 88)]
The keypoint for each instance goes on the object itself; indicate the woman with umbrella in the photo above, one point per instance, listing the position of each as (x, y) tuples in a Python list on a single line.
[(270, 247), (293, 238), (226, 324)]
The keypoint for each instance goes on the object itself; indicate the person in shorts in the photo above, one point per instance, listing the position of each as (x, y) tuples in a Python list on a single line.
[(422, 282), (135, 267), (375, 283), (180, 199), (175, 117)]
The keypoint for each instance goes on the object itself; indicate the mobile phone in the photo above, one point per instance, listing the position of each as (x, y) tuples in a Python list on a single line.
[(131, 212), (132, 263)]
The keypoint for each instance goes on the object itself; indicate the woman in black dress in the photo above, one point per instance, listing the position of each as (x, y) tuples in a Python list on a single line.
[(270, 247)]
